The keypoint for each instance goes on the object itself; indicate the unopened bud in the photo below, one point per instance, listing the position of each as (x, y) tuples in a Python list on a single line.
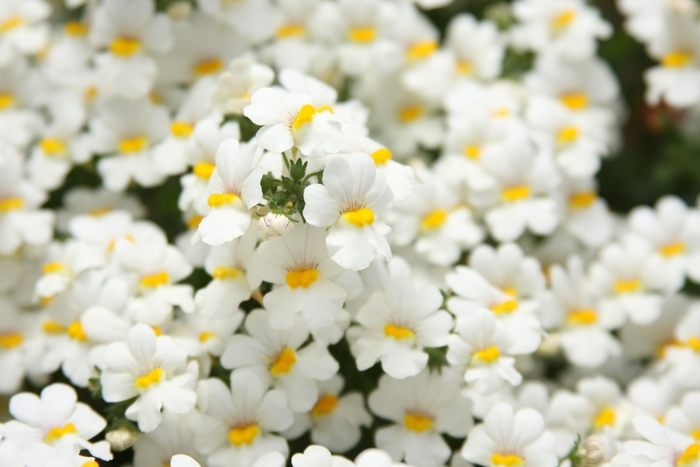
[(274, 225), (179, 11), (550, 345), (121, 439), (593, 451)]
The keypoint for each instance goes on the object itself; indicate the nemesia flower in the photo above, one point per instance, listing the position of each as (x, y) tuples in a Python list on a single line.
[(234, 188), (151, 369), (421, 408), (278, 359), (353, 193), (298, 264)]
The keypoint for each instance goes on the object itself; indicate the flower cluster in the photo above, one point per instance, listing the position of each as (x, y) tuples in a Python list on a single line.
[(381, 237)]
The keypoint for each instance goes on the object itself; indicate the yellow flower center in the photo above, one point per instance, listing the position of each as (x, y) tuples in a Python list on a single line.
[(95, 464), (689, 456), (52, 147), (605, 417), (155, 280), (563, 19), (206, 335), (567, 135), (417, 422), (11, 23), (506, 460), (627, 286), (398, 332), (501, 113), (510, 291), (694, 343), (695, 434), (290, 30), (221, 199), (204, 170), (381, 156), (410, 113), (11, 204), (75, 331), (76, 28), (52, 268), (325, 405), (421, 50), (574, 100), (125, 46), (488, 355), (58, 433), (157, 331), (472, 152), (207, 67), (225, 272), (52, 327), (193, 221), (582, 199), (464, 68), (677, 59), (362, 35), (508, 306), (245, 434), (10, 340), (154, 377), (132, 145), (582, 317), (359, 217), (434, 220), (99, 212), (672, 249), (7, 100), (284, 362), (515, 193), (302, 278), (305, 115), (181, 129)]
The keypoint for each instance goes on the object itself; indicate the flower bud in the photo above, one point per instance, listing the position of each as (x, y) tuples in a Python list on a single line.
[(179, 11), (594, 451), (550, 345), (121, 439), (274, 225)]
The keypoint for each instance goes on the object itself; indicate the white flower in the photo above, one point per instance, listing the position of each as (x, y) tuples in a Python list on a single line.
[(335, 419), (57, 419), (299, 266), (152, 369), (227, 264), (233, 189), (238, 82), (664, 447), (473, 293), (673, 231), (127, 130), (154, 268), (21, 222), (277, 358), (568, 28), (483, 350), (626, 279), (421, 409), (397, 325), (131, 30), (290, 120), (319, 456), (583, 329), (23, 29), (508, 438), (235, 427), (353, 194), (174, 436)]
